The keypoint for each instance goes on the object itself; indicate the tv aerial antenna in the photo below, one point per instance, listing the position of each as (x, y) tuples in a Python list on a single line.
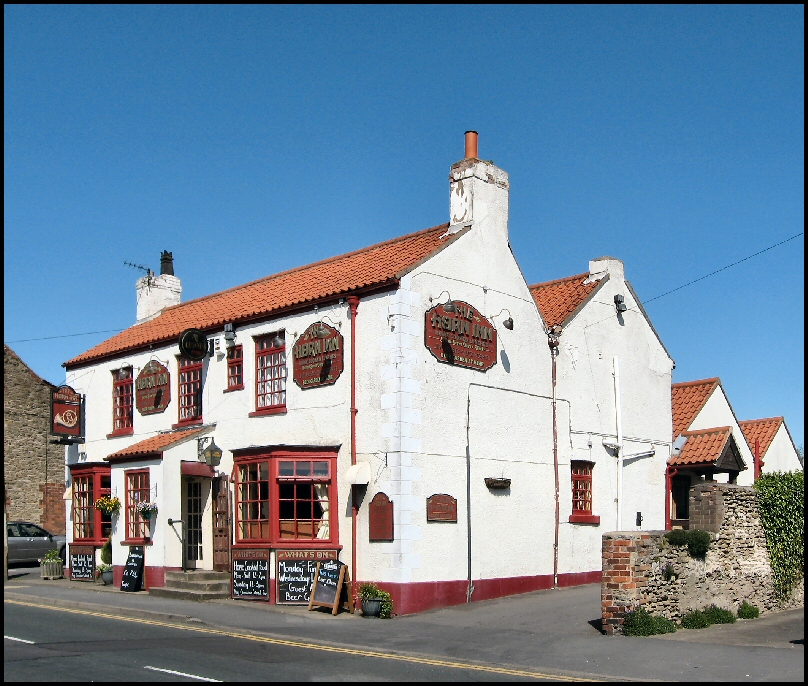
[(148, 271)]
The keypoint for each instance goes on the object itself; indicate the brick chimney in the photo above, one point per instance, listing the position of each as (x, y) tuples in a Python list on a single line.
[(479, 193), (155, 293)]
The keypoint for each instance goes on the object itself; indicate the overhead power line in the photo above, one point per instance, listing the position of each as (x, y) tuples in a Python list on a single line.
[(68, 335)]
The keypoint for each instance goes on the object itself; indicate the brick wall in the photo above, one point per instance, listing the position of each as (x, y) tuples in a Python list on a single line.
[(33, 468), (736, 567)]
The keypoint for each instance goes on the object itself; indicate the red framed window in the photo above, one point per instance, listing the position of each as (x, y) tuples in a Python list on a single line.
[(582, 493), (137, 491), (270, 374), (285, 499), (235, 368), (190, 391), (122, 402), (89, 484)]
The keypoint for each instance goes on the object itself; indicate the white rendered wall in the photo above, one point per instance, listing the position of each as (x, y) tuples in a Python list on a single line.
[(781, 455)]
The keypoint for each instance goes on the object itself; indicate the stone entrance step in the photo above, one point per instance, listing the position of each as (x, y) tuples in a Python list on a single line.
[(194, 585)]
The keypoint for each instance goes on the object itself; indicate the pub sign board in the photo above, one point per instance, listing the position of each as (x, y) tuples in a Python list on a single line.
[(464, 338), (153, 388), (441, 508), (82, 562), (250, 580), (294, 575), (193, 345), (318, 360), (67, 413)]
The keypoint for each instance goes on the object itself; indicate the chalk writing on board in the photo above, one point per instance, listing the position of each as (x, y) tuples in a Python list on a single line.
[(133, 572), (82, 565), (327, 581), (250, 578), (295, 578)]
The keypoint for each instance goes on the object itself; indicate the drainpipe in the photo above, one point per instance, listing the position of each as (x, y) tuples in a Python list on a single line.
[(353, 304), (618, 411), (758, 465), (552, 341), (669, 474)]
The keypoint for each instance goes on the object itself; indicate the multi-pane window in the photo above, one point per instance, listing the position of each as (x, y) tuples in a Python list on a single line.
[(270, 377), (235, 368), (252, 501), (83, 507), (122, 400), (137, 491), (190, 390), (303, 505), (582, 488)]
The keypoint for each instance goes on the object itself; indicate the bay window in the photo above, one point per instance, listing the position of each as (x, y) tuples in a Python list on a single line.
[(90, 482)]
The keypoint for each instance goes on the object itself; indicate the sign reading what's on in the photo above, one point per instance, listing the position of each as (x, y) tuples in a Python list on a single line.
[(317, 356), (66, 413), (464, 338), (153, 388)]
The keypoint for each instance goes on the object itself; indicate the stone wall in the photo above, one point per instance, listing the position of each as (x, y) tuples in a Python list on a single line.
[(640, 568), (33, 468)]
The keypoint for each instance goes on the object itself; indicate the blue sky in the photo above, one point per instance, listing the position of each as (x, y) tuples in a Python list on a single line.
[(248, 140)]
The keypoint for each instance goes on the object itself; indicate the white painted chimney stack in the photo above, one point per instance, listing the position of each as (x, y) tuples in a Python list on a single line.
[(155, 293)]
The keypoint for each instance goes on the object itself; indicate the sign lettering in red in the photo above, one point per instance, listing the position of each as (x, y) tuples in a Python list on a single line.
[(441, 508), (66, 409), (152, 388), (317, 356), (464, 338)]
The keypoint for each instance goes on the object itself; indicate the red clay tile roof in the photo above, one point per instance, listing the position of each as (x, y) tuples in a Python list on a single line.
[(703, 447), (374, 266), (558, 299), (688, 399), (155, 444), (762, 430)]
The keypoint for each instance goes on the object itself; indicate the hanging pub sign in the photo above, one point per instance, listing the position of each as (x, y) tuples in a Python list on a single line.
[(67, 410), (152, 388), (463, 338), (317, 358), (193, 345)]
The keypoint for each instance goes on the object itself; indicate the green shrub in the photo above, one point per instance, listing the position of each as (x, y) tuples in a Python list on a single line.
[(668, 572), (697, 541), (717, 615), (52, 556), (747, 611), (781, 502), (368, 591), (639, 623), (695, 620), (106, 552)]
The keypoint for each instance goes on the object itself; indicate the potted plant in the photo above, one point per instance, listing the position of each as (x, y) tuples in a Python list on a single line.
[(108, 504), (148, 511), (104, 572), (51, 566), (375, 601)]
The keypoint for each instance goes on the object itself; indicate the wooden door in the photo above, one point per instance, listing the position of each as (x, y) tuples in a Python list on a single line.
[(221, 524)]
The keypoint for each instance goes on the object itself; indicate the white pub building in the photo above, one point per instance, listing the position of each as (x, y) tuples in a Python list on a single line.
[(413, 409)]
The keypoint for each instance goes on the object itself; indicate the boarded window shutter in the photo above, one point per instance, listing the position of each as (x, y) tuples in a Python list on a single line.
[(381, 518)]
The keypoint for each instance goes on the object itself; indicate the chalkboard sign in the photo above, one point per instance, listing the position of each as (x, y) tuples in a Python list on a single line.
[(331, 587), (251, 574), (133, 572), (82, 562), (294, 574)]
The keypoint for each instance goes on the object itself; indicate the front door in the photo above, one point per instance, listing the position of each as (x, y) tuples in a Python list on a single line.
[(221, 524), (193, 534)]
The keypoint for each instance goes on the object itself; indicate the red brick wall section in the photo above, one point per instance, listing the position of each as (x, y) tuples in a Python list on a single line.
[(53, 507), (625, 573)]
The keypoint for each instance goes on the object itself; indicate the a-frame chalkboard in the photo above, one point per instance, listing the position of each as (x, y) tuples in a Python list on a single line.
[(133, 572), (331, 587)]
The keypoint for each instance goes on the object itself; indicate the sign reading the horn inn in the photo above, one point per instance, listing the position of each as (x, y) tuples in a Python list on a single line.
[(66, 413), (317, 356), (152, 388), (463, 338)]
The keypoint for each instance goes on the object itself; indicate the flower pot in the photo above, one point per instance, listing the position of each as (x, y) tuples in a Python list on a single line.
[(371, 607), (106, 577), (498, 484), (51, 569)]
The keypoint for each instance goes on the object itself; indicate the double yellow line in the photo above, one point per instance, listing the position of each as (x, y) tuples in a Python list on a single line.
[(359, 652)]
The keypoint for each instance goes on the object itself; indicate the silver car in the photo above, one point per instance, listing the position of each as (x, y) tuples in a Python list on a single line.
[(29, 542)]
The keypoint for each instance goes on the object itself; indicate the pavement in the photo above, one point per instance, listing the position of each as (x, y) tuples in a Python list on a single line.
[(555, 632)]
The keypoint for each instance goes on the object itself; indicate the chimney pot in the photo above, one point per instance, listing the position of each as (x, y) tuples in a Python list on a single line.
[(166, 263), (471, 145)]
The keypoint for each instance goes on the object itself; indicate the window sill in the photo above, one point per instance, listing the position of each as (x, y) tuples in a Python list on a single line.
[(233, 388), (268, 411), (121, 432), (192, 422), (584, 519), (137, 541)]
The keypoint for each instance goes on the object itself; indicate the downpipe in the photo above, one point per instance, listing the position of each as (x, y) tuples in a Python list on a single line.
[(552, 342)]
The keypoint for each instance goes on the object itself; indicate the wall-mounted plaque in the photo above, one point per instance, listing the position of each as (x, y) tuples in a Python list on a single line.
[(317, 356), (463, 338), (193, 345), (441, 508), (380, 514), (152, 388), (67, 419)]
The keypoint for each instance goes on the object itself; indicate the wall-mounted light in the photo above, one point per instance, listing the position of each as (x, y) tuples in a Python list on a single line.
[(449, 305), (321, 331), (229, 336), (619, 303), (278, 341), (507, 323)]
